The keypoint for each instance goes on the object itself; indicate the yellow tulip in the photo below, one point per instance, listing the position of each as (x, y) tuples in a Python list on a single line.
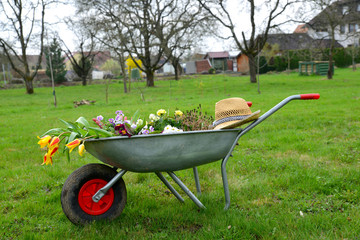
[(73, 144), (82, 149), (44, 141)]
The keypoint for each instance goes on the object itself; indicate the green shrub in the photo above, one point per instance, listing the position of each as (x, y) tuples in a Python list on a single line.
[(212, 71), (342, 58)]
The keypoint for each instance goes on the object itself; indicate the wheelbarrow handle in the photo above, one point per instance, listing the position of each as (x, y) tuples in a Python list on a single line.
[(309, 96), (277, 107), (251, 126)]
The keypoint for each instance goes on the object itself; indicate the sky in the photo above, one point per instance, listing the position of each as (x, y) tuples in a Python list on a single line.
[(56, 14), (238, 13)]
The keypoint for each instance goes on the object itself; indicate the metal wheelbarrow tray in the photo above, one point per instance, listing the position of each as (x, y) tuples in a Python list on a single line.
[(97, 191)]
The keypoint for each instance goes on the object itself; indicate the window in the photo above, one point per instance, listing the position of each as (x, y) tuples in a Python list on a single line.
[(358, 7), (342, 28), (353, 27), (345, 10)]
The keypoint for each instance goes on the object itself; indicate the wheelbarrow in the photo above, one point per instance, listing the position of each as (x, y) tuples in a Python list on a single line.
[(98, 192)]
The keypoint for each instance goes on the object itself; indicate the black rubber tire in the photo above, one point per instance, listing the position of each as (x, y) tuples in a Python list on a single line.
[(73, 184)]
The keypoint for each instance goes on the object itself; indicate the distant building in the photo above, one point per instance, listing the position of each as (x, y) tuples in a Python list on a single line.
[(219, 60), (347, 15)]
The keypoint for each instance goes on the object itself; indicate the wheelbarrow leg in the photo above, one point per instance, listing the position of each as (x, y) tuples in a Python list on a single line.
[(171, 188), (197, 183), (186, 190), (99, 194), (225, 184)]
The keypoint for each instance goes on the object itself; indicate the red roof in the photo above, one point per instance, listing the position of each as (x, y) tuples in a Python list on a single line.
[(301, 29), (223, 54)]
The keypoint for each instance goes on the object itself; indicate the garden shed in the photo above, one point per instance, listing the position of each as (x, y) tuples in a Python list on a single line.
[(315, 67)]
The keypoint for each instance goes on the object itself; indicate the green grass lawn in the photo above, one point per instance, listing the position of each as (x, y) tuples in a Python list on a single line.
[(295, 176)]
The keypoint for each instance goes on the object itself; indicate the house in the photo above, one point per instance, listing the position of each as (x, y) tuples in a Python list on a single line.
[(297, 41), (242, 64), (233, 56), (198, 66), (286, 42), (100, 57), (345, 14), (219, 60)]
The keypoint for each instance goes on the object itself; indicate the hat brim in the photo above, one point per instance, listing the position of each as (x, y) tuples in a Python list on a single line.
[(237, 123)]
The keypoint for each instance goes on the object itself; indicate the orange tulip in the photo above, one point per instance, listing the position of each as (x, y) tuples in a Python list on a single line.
[(52, 151), (54, 143), (44, 141), (73, 144), (47, 160)]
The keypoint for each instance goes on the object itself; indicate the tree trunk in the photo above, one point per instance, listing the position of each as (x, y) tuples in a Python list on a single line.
[(330, 71), (252, 69), (178, 69), (83, 80), (353, 59), (150, 79), (125, 84), (29, 86)]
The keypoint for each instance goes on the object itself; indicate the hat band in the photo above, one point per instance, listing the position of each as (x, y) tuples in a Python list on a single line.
[(228, 119)]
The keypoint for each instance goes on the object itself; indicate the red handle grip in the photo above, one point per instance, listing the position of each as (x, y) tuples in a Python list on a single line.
[(249, 104), (309, 96)]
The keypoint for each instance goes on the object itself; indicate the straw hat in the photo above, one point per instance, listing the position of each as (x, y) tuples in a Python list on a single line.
[(233, 112)]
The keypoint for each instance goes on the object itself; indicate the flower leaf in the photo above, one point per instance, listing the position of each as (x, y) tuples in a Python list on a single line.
[(128, 128), (101, 132), (54, 131), (67, 153), (134, 117), (72, 137), (83, 122), (70, 125)]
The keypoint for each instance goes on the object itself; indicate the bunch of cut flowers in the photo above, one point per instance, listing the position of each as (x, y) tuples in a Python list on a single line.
[(73, 135)]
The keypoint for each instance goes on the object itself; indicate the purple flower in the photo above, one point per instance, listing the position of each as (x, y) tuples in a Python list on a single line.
[(145, 132), (111, 120), (118, 118), (99, 118), (151, 128), (119, 112)]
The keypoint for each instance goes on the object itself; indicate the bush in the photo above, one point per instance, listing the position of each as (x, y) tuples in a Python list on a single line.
[(212, 71), (342, 58), (280, 64)]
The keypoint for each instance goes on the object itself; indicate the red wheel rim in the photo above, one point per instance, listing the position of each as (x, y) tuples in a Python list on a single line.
[(85, 197)]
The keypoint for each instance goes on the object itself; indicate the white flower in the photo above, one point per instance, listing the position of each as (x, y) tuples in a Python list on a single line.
[(153, 117), (139, 122), (170, 129)]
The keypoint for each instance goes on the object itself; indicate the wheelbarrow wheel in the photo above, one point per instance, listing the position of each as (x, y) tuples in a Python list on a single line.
[(82, 184)]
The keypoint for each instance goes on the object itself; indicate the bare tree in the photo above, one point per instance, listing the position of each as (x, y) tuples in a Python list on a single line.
[(181, 29), (82, 60), (104, 30), (261, 23), (24, 25), (137, 25)]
